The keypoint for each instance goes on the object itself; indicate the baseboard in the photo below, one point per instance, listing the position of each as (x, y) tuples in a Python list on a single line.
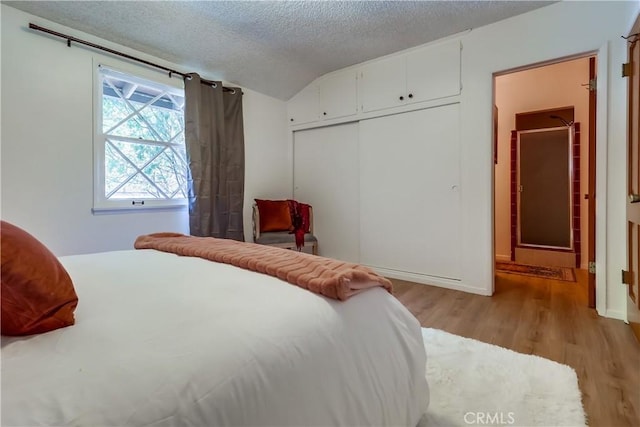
[(503, 258), (425, 279)]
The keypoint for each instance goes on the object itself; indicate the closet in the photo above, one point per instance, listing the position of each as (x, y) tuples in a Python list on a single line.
[(385, 182), (385, 190), (409, 192), (326, 176)]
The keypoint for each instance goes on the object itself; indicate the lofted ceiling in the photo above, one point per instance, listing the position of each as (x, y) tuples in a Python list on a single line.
[(273, 47)]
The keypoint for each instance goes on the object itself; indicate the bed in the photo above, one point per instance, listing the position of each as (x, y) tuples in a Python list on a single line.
[(161, 339)]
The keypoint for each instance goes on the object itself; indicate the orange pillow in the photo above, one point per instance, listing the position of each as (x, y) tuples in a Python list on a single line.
[(37, 292), (274, 215)]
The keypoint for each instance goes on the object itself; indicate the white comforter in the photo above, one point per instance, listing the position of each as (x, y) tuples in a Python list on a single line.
[(166, 340)]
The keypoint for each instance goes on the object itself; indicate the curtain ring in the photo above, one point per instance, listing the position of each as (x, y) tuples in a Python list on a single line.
[(214, 85), (233, 91), (188, 77)]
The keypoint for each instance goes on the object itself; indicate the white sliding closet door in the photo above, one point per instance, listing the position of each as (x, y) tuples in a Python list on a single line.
[(409, 192), (326, 176)]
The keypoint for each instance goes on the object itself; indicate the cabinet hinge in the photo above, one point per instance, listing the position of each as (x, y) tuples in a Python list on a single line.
[(626, 69), (626, 277), (592, 267)]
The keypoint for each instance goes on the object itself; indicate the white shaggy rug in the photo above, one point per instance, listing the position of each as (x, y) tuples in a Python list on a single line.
[(474, 383)]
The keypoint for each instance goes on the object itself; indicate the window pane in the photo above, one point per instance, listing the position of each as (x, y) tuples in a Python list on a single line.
[(179, 139), (181, 152), (117, 170), (167, 123), (114, 110), (139, 154), (138, 188), (135, 127), (166, 172)]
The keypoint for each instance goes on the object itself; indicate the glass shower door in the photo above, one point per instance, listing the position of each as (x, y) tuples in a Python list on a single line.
[(544, 188)]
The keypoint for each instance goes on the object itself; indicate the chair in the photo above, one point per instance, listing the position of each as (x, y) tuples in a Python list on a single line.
[(283, 239)]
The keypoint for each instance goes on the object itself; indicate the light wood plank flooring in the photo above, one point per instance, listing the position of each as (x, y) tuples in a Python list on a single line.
[(548, 318)]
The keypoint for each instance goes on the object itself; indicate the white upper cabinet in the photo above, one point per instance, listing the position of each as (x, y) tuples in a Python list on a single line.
[(303, 107), (383, 83), (434, 72), (338, 95), (424, 74)]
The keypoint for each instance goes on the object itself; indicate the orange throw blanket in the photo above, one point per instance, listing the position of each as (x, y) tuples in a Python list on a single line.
[(331, 278)]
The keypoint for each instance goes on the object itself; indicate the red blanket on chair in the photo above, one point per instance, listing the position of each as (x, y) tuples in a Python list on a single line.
[(301, 221)]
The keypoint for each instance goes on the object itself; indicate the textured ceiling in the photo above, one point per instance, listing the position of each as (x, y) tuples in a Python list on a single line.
[(273, 47)]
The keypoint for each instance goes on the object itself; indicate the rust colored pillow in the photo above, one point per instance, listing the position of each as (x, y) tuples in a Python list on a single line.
[(37, 292), (274, 215)]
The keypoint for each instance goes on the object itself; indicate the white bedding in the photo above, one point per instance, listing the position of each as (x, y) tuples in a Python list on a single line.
[(166, 340)]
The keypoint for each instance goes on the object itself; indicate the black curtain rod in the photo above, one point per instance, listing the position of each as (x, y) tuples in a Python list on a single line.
[(124, 55)]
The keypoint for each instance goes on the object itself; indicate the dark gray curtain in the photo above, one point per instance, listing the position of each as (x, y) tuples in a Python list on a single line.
[(215, 151)]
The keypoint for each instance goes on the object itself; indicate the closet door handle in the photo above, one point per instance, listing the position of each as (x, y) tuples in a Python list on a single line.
[(410, 95), (401, 98)]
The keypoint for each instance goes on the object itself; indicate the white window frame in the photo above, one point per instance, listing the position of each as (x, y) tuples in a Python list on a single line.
[(101, 204)]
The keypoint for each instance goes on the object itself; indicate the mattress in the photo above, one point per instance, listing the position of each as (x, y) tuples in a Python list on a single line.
[(166, 340)]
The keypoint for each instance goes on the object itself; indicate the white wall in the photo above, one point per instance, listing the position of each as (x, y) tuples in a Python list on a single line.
[(555, 31), (552, 86), (268, 155), (47, 146)]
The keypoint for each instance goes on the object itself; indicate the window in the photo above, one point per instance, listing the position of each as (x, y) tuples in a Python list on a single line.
[(139, 145)]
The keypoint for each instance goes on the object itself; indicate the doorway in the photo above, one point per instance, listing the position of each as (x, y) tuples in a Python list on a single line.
[(544, 127)]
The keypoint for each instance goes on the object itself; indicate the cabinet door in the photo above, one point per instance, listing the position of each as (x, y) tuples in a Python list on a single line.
[(325, 175), (338, 95), (409, 195), (303, 107), (383, 83), (434, 72)]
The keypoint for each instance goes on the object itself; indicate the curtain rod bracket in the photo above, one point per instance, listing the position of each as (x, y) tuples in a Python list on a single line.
[(68, 42), (631, 36)]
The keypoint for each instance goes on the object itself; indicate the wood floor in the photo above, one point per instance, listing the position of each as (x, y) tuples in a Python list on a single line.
[(548, 318)]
